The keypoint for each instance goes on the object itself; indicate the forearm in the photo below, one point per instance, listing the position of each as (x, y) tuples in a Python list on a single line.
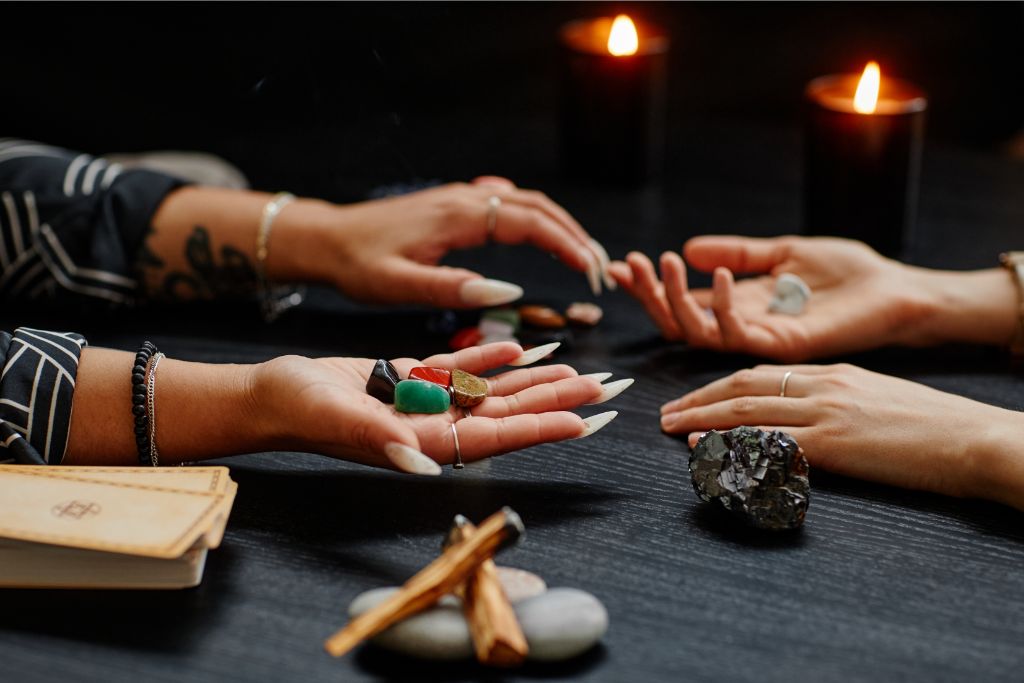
[(202, 243), (978, 307), (202, 411)]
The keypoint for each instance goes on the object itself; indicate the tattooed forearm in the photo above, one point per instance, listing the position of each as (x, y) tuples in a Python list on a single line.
[(204, 275)]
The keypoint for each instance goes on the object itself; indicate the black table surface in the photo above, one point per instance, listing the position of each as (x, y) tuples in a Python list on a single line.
[(881, 584)]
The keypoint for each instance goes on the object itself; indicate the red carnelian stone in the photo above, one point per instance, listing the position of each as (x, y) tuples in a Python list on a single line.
[(464, 338), (435, 375)]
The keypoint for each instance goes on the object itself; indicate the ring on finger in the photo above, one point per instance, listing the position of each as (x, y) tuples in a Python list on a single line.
[(785, 381), (458, 450)]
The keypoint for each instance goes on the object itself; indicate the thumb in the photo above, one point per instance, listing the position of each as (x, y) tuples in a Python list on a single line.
[(738, 254), (449, 287), (382, 433)]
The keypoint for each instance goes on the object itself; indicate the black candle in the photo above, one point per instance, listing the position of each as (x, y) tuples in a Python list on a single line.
[(862, 158), (613, 104)]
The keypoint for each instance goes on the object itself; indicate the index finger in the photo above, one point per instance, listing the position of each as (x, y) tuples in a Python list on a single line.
[(738, 254)]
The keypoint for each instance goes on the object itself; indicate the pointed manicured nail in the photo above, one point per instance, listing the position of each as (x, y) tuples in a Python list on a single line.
[(595, 422), (410, 460), (611, 390), (599, 376), (602, 255), (594, 275), (534, 354), (484, 292)]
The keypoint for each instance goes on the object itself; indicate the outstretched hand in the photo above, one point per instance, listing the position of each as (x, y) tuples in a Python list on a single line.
[(860, 299), (388, 250), (321, 406)]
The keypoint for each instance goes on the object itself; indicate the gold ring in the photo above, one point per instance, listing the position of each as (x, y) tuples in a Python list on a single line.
[(458, 450), (785, 381)]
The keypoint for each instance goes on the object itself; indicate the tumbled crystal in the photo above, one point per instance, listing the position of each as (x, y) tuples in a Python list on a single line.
[(541, 316), (467, 390), (464, 338), (495, 328), (417, 396), (438, 376), (382, 381), (760, 476), (791, 295), (505, 315), (584, 313)]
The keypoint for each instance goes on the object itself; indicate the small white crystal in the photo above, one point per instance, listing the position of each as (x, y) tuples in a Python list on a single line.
[(791, 295)]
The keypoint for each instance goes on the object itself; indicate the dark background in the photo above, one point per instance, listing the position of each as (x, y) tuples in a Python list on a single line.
[(334, 99)]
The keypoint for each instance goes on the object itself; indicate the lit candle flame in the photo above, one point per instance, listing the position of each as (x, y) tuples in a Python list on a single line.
[(866, 99), (622, 40)]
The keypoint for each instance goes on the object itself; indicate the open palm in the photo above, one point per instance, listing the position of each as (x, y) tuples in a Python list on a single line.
[(860, 299)]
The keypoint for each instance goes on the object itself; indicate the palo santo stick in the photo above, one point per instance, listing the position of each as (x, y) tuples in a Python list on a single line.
[(439, 577), (497, 636)]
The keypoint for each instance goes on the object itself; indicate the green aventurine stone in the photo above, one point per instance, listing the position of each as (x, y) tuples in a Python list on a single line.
[(468, 390), (505, 315), (417, 396)]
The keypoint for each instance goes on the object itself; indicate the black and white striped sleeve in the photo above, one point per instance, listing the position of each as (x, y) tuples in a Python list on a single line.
[(71, 225), (36, 387)]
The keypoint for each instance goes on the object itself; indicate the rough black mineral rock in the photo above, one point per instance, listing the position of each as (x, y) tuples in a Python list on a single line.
[(760, 476)]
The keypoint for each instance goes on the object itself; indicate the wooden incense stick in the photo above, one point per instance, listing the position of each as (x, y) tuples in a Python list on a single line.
[(439, 577), (497, 636)]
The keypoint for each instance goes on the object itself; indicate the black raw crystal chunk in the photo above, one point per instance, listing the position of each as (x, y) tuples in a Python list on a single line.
[(383, 379), (760, 476)]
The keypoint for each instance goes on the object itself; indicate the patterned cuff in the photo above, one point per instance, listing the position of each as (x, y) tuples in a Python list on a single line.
[(36, 387)]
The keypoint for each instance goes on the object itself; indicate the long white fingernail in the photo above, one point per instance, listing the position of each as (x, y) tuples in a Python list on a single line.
[(408, 459), (534, 354), (611, 390), (602, 255), (594, 276), (485, 292), (599, 376), (596, 422)]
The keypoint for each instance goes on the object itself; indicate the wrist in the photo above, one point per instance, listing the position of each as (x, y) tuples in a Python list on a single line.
[(301, 237), (997, 459), (977, 307)]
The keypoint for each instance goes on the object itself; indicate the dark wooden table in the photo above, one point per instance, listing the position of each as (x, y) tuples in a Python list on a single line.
[(880, 585)]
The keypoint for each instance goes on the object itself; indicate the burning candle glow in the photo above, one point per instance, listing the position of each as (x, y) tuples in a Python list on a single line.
[(613, 106), (622, 39), (862, 156)]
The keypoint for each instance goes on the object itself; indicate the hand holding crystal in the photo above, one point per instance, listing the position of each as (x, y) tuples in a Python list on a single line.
[(861, 300), (321, 406)]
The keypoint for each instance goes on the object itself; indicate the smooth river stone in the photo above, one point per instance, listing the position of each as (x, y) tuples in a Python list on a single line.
[(496, 328), (438, 376), (541, 316), (467, 390), (417, 396), (558, 624), (382, 381)]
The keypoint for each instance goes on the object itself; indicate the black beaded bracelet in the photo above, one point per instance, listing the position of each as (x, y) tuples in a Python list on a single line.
[(139, 412)]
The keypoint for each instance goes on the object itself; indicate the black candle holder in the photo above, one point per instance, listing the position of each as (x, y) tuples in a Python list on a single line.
[(613, 107), (862, 171)]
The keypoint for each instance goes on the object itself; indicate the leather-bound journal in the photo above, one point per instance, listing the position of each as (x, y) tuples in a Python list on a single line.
[(110, 527)]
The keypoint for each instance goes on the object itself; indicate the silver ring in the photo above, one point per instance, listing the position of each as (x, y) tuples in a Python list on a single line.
[(785, 381), (458, 450), (493, 204)]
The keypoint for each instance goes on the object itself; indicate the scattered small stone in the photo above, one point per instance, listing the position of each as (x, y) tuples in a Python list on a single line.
[(507, 315), (760, 476), (465, 338), (382, 381), (541, 316), (791, 295), (583, 313), (490, 327)]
